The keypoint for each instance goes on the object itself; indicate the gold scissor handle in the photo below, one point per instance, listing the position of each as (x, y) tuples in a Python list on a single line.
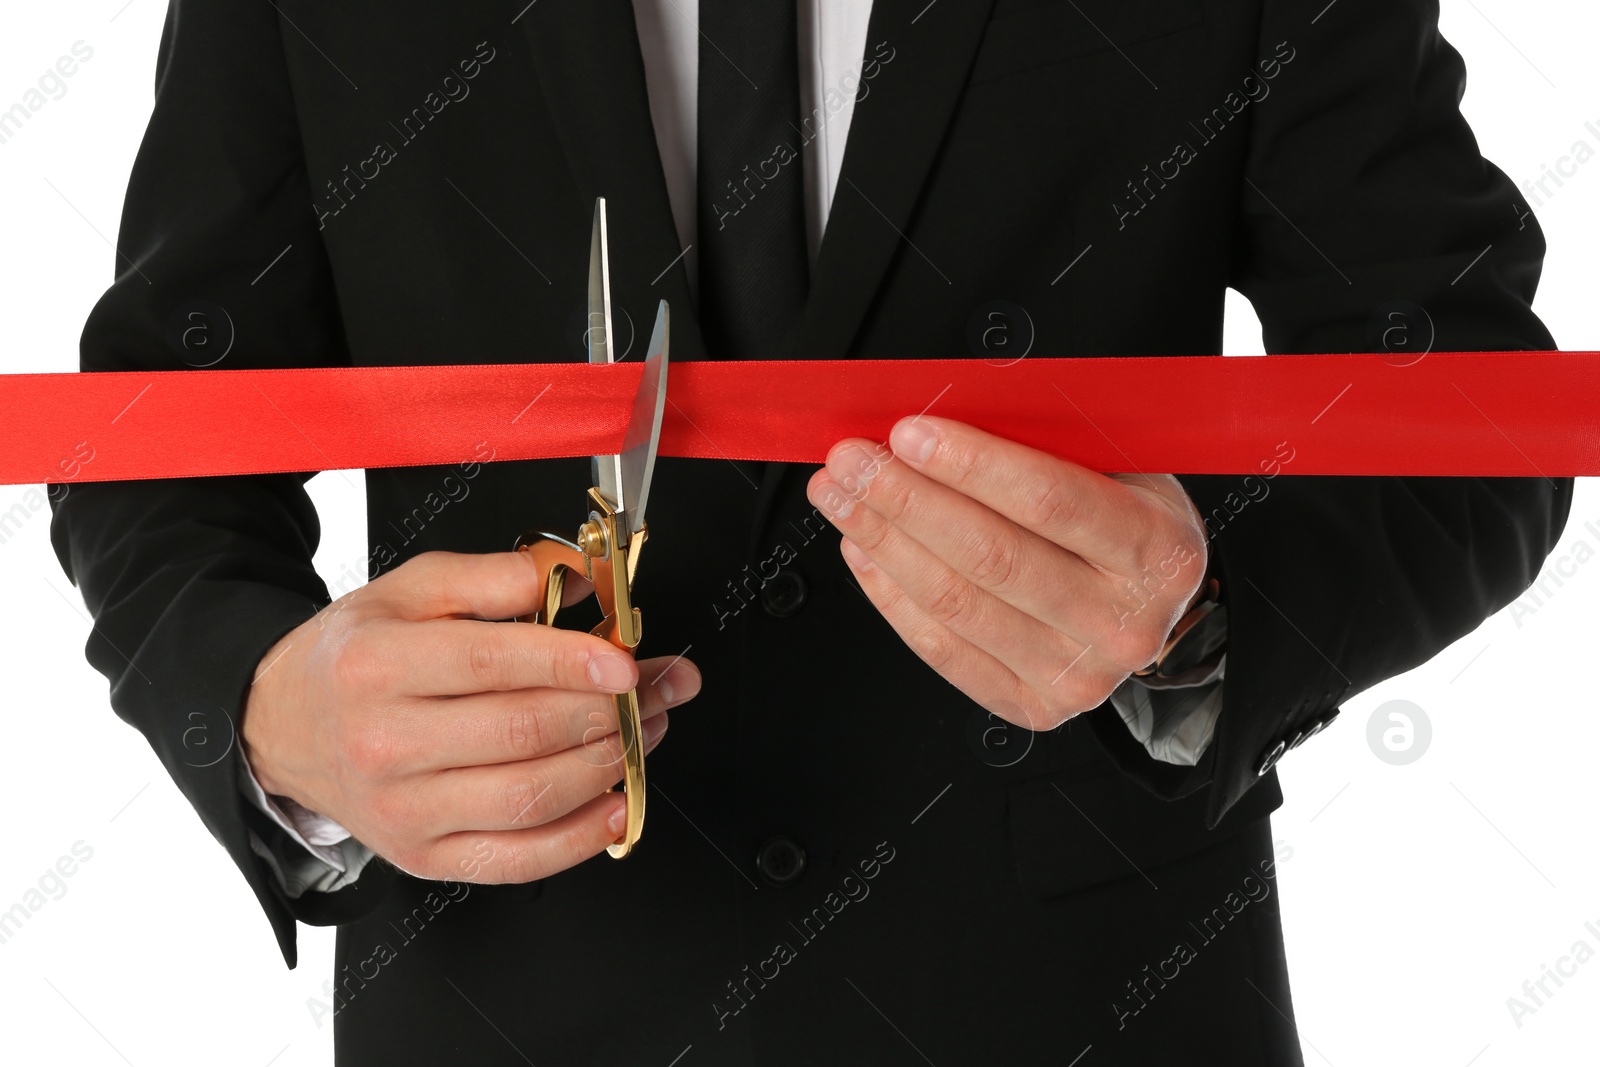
[(597, 555)]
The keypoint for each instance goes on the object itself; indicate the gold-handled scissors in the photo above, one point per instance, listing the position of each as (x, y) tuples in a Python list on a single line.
[(608, 545)]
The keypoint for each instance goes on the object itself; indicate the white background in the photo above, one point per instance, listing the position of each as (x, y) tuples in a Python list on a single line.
[(1416, 898)]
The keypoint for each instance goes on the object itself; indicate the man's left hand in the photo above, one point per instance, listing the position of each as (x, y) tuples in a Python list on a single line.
[(1033, 585)]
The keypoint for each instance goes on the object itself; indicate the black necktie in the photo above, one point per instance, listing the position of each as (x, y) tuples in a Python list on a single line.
[(753, 272)]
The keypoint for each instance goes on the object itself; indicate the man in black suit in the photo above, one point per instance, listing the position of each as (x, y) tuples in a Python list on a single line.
[(848, 857)]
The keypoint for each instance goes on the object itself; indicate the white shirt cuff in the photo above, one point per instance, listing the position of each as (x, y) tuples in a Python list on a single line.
[(332, 858), (1174, 723)]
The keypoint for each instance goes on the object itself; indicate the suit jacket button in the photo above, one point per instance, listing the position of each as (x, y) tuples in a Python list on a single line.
[(781, 861), (1312, 731), (783, 594), (1270, 758)]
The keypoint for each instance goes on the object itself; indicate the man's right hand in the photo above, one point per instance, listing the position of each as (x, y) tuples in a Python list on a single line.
[(454, 747)]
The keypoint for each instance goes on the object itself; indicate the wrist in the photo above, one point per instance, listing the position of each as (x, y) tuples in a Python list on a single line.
[(1196, 643), (255, 726)]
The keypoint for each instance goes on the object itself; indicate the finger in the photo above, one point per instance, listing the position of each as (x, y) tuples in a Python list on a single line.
[(970, 669), (1037, 653), (506, 856), (523, 724), (1035, 575), (449, 657), (575, 589), (1077, 508), (512, 796), (441, 585)]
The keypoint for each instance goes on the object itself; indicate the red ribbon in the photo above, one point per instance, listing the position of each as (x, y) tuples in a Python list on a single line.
[(1477, 413)]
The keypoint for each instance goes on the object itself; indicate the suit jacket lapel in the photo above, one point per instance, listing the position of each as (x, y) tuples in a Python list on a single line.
[(591, 71), (894, 135), (587, 56)]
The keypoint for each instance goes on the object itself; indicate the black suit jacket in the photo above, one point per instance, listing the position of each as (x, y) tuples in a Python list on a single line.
[(428, 173)]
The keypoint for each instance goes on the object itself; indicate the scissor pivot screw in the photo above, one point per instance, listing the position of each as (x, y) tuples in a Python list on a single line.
[(592, 539)]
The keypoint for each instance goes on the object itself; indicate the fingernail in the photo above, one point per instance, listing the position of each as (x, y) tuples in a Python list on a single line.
[(680, 682), (619, 817), (913, 441), (852, 468), (834, 501), (853, 554), (611, 672), (654, 727)]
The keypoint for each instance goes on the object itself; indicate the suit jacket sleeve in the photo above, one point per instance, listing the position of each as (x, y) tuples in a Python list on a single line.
[(191, 581), (1363, 186)]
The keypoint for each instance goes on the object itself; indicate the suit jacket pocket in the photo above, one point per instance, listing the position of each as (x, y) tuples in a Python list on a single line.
[(1027, 34), (1070, 831)]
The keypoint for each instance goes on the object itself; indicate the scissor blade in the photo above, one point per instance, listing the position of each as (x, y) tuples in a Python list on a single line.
[(607, 470), (638, 459), (597, 336)]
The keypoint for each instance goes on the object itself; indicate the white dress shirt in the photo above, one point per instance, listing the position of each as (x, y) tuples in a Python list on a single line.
[(1174, 725)]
